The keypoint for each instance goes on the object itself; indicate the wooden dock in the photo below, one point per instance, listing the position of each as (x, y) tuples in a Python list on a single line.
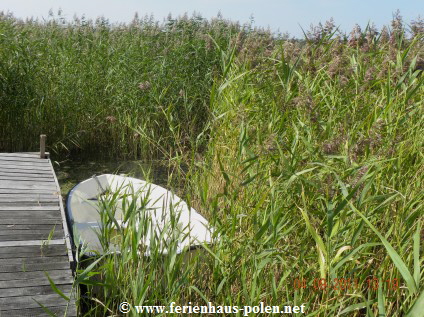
[(34, 239)]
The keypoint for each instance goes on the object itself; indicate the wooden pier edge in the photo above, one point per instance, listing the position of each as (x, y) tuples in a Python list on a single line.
[(46, 155), (64, 223)]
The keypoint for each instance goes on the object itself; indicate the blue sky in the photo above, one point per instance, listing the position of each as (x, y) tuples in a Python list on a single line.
[(282, 15)]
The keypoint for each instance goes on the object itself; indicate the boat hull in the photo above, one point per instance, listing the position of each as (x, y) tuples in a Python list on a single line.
[(163, 221)]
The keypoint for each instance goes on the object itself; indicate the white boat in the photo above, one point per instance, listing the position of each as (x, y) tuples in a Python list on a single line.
[(165, 220)]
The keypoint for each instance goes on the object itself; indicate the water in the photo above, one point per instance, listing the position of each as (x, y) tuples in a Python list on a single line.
[(71, 172)]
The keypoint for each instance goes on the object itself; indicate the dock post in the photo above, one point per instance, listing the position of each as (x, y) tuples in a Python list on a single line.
[(43, 146)]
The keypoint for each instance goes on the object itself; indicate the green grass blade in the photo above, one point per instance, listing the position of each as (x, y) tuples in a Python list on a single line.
[(46, 310), (397, 260), (380, 296), (417, 310), (322, 251), (82, 276), (55, 288), (358, 306), (417, 267), (200, 293)]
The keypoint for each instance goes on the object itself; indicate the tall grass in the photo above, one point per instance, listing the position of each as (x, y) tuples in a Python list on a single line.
[(306, 156), (88, 84)]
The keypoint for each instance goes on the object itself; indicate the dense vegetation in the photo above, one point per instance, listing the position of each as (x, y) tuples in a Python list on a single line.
[(94, 86), (306, 156)]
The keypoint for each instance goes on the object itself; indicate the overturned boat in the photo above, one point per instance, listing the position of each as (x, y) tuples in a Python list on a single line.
[(161, 221)]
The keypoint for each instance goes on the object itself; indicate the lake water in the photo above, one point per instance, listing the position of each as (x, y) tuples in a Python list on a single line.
[(71, 172)]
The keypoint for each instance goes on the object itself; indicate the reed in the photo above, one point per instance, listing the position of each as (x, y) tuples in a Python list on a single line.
[(92, 86)]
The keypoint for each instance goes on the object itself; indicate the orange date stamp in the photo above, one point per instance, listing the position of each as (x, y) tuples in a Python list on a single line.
[(346, 284)]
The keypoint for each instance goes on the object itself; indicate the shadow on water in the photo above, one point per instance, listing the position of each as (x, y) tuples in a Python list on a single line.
[(71, 172)]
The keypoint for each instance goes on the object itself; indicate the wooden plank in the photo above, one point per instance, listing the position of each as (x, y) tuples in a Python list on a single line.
[(19, 217), (26, 185), (51, 254), (32, 267), (16, 183), (18, 158), (22, 176), (26, 178), (46, 214), (23, 195), (39, 208), (5, 185), (31, 242), (30, 235), (10, 231), (16, 173), (37, 154), (19, 196), (34, 203), (28, 197), (54, 274), (32, 259), (21, 154), (36, 228), (22, 302), (11, 167), (25, 172), (30, 201), (32, 173), (23, 221), (11, 235), (65, 278), (27, 191), (23, 198), (30, 212), (39, 312), (35, 200), (34, 290), (48, 194), (34, 163), (33, 251)]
